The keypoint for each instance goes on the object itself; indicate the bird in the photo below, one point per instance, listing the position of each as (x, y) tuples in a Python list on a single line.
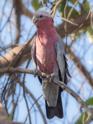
[(48, 53)]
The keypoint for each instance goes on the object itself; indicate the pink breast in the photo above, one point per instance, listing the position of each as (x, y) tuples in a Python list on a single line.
[(45, 55)]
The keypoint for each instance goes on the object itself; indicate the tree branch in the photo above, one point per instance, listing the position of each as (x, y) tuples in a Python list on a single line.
[(22, 9), (10, 56), (44, 75), (4, 118), (18, 19), (34, 99), (80, 66), (81, 21)]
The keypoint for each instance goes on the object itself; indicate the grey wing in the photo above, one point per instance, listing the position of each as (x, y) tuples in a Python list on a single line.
[(61, 60), (33, 52)]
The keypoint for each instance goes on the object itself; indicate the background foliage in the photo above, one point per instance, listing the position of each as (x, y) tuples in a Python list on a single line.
[(21, 94)]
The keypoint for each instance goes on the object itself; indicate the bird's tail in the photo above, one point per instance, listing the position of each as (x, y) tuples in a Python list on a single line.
[(55, 111)]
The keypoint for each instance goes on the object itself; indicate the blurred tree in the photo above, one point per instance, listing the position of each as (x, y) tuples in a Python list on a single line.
[(74, 22)]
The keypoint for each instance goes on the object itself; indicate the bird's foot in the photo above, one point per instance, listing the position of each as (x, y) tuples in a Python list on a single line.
[(36, 72), (48, 78), (51, 77)]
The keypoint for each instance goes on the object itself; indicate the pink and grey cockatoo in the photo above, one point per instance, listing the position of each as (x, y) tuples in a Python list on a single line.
[(49, 56)]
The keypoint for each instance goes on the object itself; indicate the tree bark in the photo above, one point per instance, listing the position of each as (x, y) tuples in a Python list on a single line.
[(4, 118), (82, 21)]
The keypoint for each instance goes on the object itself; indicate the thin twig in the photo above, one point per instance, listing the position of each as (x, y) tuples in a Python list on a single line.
[(33, 106), (66, 20), (71, 10), (43, 75), (55, 6), (34, 99), (20, 70), (72, 93), (53, 11)]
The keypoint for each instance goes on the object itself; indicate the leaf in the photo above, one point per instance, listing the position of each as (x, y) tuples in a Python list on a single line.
[(89, 101), (73, 1), (79, 121), (62, 6), (83, 118), (45, 1), (85, 6), (86, 115), (74, 13), (90, 35), (9, 117), (36, 4), (67, 8)]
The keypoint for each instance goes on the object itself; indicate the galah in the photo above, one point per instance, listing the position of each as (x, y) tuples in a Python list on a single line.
[(49, 56)]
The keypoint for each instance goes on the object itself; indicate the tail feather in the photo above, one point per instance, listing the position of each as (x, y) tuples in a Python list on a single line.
[(55, 111)]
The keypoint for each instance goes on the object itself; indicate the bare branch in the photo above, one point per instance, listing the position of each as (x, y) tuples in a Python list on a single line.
[(44, 75), (55, 6), (13, 57), (81, 21), (10, 56), (18, 19), (22, 9), (80, 66), (4, 118), (36, 103)]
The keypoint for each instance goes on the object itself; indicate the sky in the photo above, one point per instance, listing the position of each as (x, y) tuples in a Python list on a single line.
[(70, 105)]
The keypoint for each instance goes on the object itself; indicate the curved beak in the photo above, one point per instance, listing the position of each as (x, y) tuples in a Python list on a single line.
[(34, 19)]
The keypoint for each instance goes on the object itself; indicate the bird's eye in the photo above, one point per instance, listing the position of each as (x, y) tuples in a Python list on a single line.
[(40, 16)]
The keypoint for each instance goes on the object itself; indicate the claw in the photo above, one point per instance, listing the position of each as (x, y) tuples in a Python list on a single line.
[(35, 72), (51, 77)]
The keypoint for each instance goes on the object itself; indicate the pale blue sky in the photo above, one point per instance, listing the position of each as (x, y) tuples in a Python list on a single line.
[(70, 105)]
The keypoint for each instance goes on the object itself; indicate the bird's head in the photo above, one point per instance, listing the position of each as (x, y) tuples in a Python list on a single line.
[(41, 18)]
